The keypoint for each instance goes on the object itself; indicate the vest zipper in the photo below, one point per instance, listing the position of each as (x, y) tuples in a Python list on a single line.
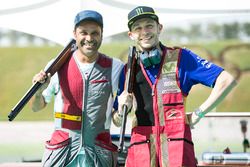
[(86, 81)]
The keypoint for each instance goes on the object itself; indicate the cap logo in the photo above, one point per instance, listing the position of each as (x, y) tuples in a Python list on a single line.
[(139, 11)]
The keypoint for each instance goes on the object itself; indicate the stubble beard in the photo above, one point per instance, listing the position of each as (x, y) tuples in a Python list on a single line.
[(90, 52), (150, 44)]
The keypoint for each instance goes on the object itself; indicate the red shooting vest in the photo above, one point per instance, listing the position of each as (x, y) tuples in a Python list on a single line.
[(73, 91), (165, 140)]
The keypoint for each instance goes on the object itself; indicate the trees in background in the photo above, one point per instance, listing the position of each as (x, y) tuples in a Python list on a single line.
[(246, 29), (16, 38), (212, 31), (192, 33)]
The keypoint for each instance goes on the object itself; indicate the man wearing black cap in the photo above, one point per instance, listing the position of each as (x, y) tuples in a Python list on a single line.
[(161, 133), (84, 88)]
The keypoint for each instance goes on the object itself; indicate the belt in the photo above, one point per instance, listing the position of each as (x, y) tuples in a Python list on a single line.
[(68, 117)]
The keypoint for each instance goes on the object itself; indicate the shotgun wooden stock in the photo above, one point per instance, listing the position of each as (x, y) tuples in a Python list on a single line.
[(52, 69), (129, 84)]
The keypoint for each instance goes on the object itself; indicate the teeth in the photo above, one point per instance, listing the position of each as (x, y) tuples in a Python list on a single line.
[(146, 38), (89, 44)]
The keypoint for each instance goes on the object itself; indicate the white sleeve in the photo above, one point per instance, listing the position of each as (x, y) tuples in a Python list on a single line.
[(116, 71), (52, 87)]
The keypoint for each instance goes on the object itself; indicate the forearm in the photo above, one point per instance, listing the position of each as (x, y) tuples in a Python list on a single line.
[(37, 102), (224, 84)]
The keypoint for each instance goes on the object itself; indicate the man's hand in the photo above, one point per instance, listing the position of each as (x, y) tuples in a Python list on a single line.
[(193, 119), (125, 99), (42, 78)]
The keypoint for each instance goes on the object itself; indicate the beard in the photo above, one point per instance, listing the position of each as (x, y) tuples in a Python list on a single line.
[(148, 42), (148, 45), (89, 48)]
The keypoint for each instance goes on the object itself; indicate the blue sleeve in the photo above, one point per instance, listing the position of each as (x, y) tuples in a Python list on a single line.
[(120, 87), (194, 69)]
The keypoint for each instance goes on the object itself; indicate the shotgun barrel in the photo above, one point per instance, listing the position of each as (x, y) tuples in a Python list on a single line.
[(52, 69), (129, 84)]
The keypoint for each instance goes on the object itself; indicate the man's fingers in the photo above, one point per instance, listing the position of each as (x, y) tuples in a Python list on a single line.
[(49, 75), (125, 99), (41, 77)]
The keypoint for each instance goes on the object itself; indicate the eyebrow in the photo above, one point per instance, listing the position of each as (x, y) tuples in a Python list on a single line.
[(148, 21)]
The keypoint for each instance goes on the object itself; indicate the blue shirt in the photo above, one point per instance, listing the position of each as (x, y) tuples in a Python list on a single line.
[(192, 69)]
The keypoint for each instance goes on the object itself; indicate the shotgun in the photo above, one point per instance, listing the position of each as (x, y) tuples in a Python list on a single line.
[(129, 84), (52, 69)]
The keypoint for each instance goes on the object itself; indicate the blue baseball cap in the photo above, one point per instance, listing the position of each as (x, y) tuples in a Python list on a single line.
[(89, 15), (141, 12)]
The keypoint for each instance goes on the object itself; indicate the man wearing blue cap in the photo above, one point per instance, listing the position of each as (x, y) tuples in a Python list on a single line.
[(164, 76), (84, 88)]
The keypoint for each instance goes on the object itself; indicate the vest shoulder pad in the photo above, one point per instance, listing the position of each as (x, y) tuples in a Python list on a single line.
[(175, 47), (104, 61)]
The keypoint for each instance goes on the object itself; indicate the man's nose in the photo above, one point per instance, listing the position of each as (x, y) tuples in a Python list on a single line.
[(145, 30), (88, 37)]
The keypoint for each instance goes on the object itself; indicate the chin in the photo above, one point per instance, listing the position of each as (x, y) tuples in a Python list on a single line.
[(90, 54), (147, 46)]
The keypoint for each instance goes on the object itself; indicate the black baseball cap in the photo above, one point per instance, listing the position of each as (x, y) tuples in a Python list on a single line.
[(89, 15), (141, 12)]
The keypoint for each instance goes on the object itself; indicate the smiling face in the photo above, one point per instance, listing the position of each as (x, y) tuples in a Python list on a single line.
[(88, 35), (145, 32)]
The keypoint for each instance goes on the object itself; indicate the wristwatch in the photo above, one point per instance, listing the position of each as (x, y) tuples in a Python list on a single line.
[(199, 113)]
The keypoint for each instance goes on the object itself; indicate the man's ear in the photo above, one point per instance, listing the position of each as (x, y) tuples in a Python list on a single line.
[(131, 35), (160, 28)]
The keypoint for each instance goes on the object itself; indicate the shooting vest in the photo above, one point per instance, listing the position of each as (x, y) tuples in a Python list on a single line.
[(85, 100), (161, 136)]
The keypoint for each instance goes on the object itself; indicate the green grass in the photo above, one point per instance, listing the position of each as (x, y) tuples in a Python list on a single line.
[(19, 65), (239, 57), (118, 50)]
